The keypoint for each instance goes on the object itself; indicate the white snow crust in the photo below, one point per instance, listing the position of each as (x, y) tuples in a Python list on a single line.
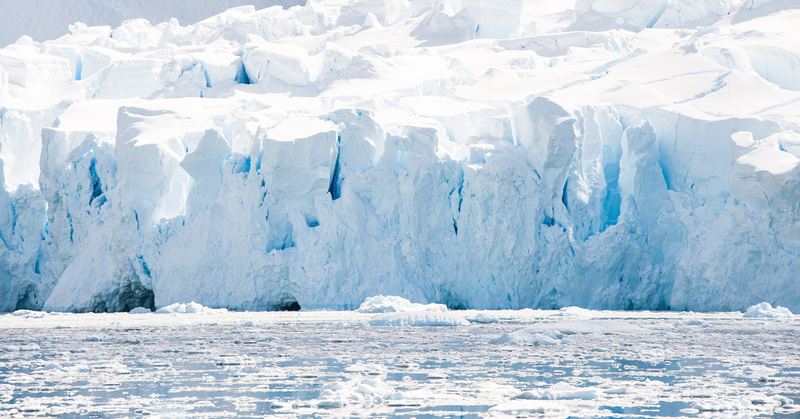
[(486, 155)]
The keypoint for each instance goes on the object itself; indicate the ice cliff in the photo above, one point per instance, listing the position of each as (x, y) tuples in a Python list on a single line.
[(505, 154)]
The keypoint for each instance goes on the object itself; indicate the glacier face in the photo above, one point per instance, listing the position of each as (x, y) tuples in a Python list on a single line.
[(634, 155)]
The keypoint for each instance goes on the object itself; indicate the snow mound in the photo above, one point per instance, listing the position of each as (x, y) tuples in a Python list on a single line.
[(361, 391), (531, 406), (560, 391), (483, 317), (141, 310), (394, 304), (553, 333), (419, 318), (189, 308), (366, 369), (766, 311), (529, 338), (30, 314), (574, 312)]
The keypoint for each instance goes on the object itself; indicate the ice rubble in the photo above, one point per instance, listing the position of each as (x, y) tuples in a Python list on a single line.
[(636, 155)]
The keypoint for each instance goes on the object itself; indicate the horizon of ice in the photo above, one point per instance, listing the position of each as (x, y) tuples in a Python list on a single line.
[(610, 155)]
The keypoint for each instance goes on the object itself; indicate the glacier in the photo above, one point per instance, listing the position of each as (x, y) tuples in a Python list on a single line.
[(483, 155)]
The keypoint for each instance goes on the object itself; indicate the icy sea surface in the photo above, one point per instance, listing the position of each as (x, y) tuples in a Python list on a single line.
[(568, 363)]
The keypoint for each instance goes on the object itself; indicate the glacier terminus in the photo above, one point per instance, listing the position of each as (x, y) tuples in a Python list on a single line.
[(481, 155)]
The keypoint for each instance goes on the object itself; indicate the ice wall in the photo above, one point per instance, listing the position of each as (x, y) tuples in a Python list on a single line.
[(450, 153)]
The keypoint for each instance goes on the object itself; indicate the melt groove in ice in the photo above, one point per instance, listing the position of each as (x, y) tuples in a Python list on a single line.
[(634, 155)]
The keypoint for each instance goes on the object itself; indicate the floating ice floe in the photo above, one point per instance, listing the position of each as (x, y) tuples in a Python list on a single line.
[(192, 307), (366, 369), (531, 406), (527, 337), (419, 318), (573, 311), (395, 304), (482, 317), (141, 310), (766, 311), (560, 391), (363, 391), (552, 333), (28, 314)]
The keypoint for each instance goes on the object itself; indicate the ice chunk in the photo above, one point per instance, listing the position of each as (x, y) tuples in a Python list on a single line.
[(267, 61), (150, 145), (27, 71), (531, 406), (766, 311), (552, 333), (419, 318), (220, 67), (366, 369), (188, 308), (29, 314), (529, 338), (483, 317), (560, 391), (298, 163), (394, 304), (363, 391), (497, 19), (140, 310), (204, 165), (763, 177), (132, 78), (575, 311)]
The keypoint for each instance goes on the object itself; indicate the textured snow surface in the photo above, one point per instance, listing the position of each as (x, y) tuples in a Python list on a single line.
[(600, 154), (331, 364)]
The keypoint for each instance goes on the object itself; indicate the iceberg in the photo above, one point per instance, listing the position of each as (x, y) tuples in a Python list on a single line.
[(470, 155), (766, 311), (395, 304), (419, 318)]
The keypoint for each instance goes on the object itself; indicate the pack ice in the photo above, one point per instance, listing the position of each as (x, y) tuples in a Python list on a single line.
[(505, 154)]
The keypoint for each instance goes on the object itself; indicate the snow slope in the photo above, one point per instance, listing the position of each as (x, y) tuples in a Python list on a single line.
[(635, 155)]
